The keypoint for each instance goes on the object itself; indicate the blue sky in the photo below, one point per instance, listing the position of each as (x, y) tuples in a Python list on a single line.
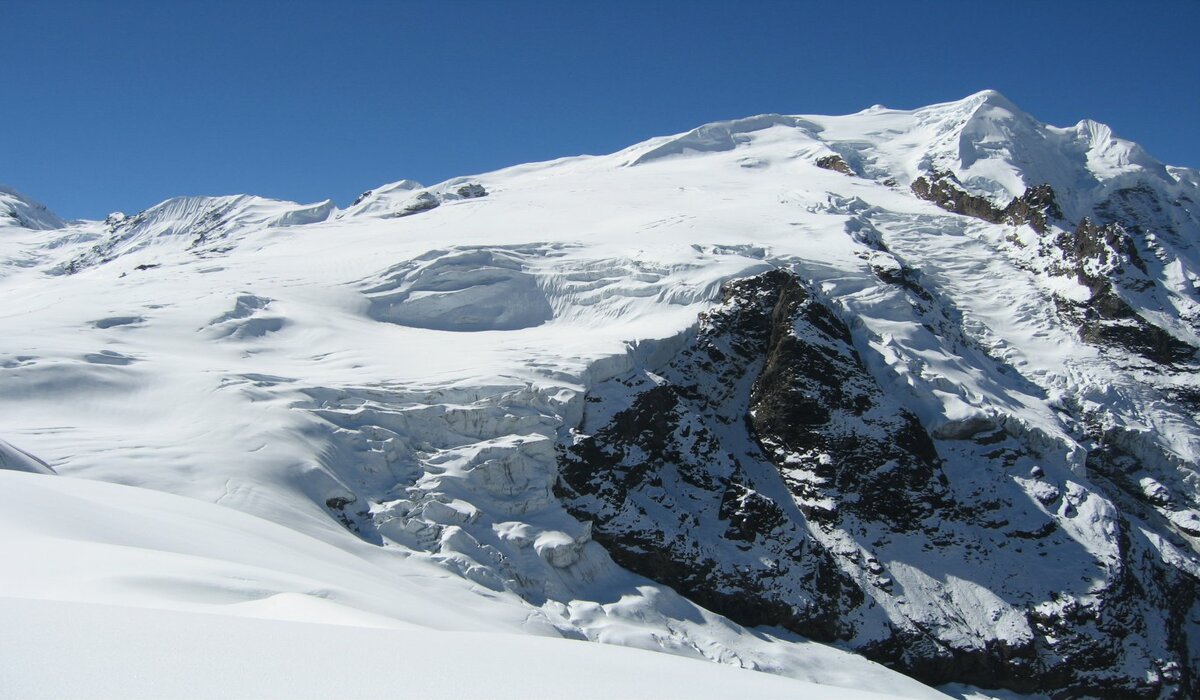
[(118, 105)]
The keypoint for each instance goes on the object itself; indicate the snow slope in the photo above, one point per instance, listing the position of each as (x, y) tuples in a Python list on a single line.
[(399, 379), (129, 593), (18, 210)]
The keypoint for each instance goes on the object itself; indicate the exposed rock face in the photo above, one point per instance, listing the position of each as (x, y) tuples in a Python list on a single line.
[(682, 450), (823, 419), (1037, 206), (472, 190), (1103, 257), (422, 202), (835, 163), (944, 190), (765, 474)]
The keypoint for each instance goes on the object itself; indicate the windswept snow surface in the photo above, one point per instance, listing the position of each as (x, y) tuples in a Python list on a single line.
[(120, 592), (388, 383), (17, 460)]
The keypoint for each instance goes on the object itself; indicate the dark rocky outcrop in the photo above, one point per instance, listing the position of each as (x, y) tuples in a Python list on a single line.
[(1098, 252), (835, 163), (471, 190), (1037, 206), (816, 409), (1100, 257), (944, 190), (765, 474), (1109, 321), (679, 491), (422, 202), (1103, 257)]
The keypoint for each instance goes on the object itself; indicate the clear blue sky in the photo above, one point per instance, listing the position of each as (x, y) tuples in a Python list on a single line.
[(118, 105)]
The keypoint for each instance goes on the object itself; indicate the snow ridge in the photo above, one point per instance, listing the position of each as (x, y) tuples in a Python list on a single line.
[(18, 210)]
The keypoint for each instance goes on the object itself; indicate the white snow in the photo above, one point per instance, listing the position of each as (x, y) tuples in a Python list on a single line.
[(18, 210), (124, 592), (17, 460), (379, 390)]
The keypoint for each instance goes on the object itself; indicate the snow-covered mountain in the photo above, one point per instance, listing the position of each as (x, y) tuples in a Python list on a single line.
[(917, 385), (17, 210)]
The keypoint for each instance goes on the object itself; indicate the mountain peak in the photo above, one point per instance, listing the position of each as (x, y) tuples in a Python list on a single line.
[(993, 98), (19, 210)]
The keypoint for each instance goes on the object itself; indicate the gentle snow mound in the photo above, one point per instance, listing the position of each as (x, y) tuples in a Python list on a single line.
[(192, 600)]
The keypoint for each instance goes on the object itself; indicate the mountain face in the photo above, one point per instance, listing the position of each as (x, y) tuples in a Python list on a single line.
[(918, 384), (17, 210)]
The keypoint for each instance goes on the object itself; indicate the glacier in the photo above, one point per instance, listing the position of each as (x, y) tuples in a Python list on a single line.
[(832, 398)]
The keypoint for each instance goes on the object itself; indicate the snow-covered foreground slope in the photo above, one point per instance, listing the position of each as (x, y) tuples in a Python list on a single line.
[(121, 592), (917, 383)]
